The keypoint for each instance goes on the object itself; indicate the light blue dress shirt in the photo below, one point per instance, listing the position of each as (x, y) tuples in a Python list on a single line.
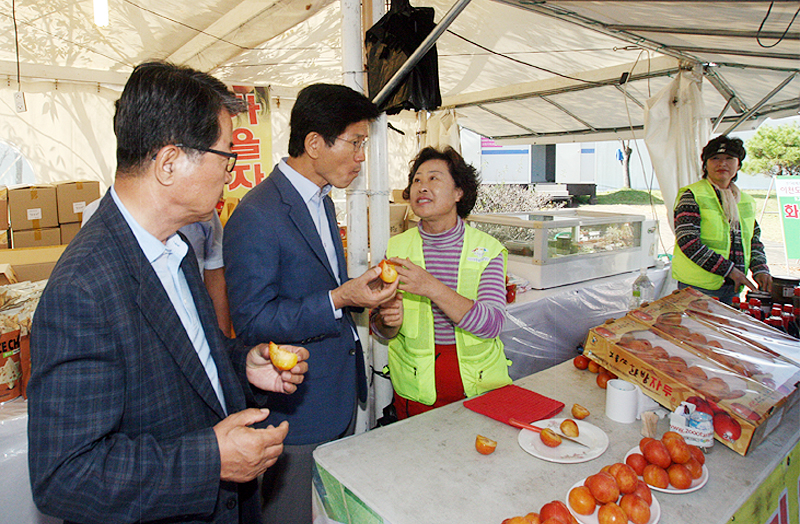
[(313, 197), (166, 261)]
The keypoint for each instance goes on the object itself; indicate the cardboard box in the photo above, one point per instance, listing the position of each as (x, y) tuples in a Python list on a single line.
[(32, 207), (746, 388), (10, 367), (32, 263), (226, 207), (731, 321), (25, 363), (36, 237), (3, 208), (68, 231), (397, 218), (4, 237), (72, 198), (7, 275), (397, 196)]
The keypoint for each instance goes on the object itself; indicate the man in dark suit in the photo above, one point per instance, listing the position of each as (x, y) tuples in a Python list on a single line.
[(287, 282), (137, 403)]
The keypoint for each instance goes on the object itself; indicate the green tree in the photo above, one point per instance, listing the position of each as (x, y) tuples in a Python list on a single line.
[(774, 151)]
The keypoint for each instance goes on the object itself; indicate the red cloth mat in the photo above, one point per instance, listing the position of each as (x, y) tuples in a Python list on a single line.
[(514, 402)]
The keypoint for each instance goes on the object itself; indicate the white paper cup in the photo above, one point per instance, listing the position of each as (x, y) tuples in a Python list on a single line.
[(622, 401)]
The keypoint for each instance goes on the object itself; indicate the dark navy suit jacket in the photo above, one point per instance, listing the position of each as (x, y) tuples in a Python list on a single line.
[(120, 408), (278, 278)]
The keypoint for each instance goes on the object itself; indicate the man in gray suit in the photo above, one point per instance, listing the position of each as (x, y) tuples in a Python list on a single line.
[(137, 403)]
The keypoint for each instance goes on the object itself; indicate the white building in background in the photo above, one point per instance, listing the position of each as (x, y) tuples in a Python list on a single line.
[(599, 163)]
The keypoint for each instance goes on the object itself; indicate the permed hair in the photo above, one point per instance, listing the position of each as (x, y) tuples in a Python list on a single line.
[(465, 176)]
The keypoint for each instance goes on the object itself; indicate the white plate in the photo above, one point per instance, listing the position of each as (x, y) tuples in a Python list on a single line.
[(696, 483), (568, 452), (655, 509)]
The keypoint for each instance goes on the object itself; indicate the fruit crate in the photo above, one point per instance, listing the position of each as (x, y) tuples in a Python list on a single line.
[(746, 402)]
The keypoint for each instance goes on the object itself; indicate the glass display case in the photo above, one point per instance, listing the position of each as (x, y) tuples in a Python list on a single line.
[(564, 246)]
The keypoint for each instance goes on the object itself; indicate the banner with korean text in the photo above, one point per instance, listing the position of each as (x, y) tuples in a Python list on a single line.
[(252, 141), (788, 189)]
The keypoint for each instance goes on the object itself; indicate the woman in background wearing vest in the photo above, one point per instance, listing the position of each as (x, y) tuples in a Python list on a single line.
[(443, 328), (716, 233)]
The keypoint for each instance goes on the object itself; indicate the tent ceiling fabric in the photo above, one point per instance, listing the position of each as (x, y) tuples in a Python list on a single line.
[(514, 70), (58, 38)]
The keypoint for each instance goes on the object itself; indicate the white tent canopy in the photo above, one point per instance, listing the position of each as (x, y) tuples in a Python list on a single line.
[(535, 72)]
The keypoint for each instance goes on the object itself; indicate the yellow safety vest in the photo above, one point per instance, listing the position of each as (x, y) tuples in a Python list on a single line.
[(715, 233), (482, 362)]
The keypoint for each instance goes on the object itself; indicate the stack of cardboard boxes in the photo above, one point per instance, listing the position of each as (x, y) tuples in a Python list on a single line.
[(47, 214)]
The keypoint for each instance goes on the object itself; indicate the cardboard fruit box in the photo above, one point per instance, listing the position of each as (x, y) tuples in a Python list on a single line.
[(732, 321), (674, 320), (745, 407)]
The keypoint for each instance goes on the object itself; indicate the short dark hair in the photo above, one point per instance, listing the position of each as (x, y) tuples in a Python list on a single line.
[(164, 104), (326, 109), (723, 144), (464, 175)]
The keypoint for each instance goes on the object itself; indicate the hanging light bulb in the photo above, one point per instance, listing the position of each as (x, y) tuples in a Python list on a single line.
[(101, 13)]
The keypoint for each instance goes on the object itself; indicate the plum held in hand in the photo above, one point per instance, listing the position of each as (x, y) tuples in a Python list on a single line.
[(280, 358), (388, 272)]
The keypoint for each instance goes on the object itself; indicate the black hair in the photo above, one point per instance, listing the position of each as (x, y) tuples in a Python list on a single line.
[(731, 146), (164, 104), (464, 175), (326, 109)]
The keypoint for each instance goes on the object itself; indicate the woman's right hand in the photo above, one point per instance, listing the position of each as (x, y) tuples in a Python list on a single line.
[(415, 279)]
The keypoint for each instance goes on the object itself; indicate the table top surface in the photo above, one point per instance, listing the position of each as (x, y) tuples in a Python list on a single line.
[(426, 468)]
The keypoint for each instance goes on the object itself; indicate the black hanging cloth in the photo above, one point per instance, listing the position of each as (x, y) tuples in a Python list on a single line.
[(389, 43)]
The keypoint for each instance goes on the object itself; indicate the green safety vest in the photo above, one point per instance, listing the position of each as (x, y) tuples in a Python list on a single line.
[(482, 362), (715, 233)]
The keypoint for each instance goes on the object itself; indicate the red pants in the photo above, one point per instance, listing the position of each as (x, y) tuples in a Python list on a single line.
[(449, 387)]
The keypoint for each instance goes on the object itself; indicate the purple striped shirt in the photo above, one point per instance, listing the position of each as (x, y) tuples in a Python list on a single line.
[(488, 314)]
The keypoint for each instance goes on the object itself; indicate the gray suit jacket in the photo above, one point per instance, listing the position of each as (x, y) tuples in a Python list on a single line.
[(120, 408)]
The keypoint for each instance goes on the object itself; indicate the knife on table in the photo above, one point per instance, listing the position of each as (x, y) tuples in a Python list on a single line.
[(516, 423)]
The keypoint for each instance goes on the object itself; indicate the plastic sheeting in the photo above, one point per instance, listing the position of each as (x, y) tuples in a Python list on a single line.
[(676, 129), (546, 331), (15, 497)]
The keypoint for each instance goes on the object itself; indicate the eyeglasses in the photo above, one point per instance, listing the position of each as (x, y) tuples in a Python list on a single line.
[(230, 156), (358, 144)]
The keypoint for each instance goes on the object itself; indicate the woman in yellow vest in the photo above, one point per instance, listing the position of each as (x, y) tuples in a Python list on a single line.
[(716, 233), (443, 328)]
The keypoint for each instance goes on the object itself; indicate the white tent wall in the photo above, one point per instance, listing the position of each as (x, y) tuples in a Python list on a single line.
[(66, 132), (675, 130)]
